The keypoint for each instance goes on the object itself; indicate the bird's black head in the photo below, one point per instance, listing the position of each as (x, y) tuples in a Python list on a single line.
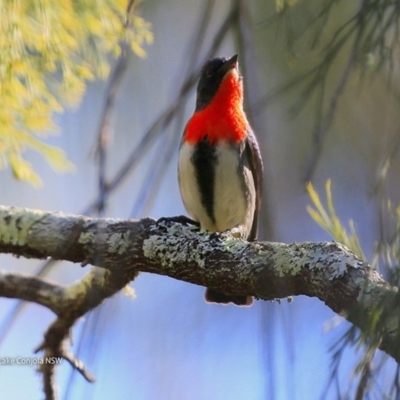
[(211, 76)]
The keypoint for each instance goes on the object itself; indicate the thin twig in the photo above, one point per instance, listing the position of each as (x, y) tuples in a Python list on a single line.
[(326, 121), (104, 133)]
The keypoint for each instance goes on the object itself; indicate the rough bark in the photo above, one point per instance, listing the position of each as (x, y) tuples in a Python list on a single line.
[(123, 248)]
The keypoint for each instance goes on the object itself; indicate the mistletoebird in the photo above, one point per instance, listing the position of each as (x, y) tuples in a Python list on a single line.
[(220, 169)]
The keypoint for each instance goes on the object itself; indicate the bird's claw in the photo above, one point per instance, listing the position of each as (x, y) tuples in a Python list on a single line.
[(235, 232)]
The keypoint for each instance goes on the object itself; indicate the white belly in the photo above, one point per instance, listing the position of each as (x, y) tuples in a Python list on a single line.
[(234, 194)]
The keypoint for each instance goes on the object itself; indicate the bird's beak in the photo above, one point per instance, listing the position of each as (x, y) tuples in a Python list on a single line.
[(229, 64)]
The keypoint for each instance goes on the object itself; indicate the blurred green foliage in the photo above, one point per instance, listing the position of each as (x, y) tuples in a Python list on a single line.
[(385, 259), (386, 255), (387, 248), (327, 219), (48, 51), (282, 5)]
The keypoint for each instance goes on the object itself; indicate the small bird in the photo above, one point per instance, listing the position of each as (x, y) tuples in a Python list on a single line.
[(220, 169)]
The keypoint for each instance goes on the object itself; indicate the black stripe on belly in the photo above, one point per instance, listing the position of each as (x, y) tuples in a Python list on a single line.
[(204, 160)]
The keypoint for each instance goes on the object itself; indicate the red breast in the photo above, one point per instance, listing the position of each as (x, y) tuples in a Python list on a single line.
[(223, 118)]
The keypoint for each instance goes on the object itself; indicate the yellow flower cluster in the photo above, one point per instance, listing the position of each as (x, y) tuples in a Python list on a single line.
[(48, 51)]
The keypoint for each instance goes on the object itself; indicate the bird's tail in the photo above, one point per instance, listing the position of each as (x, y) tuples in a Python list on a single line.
[(213, 296)]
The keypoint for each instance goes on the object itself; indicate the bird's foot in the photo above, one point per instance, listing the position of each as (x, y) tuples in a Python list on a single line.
[(181, 219)]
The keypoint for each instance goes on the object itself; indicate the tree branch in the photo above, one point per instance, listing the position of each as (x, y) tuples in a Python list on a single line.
[(28, 288), (266, 270)]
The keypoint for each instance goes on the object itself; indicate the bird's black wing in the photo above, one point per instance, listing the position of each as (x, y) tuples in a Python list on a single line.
[(253, 156)]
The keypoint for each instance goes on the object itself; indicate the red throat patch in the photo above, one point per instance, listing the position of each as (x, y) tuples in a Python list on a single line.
[(223, 118)]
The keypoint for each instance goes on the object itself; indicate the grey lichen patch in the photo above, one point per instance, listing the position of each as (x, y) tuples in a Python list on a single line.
[(82, 286), (288, 259), (333, 258), (233, 245), (258, 256), (15, 224), (169, 248), (175, 245), (118, 243), (86, 238), (338, 269), (374, 291)]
